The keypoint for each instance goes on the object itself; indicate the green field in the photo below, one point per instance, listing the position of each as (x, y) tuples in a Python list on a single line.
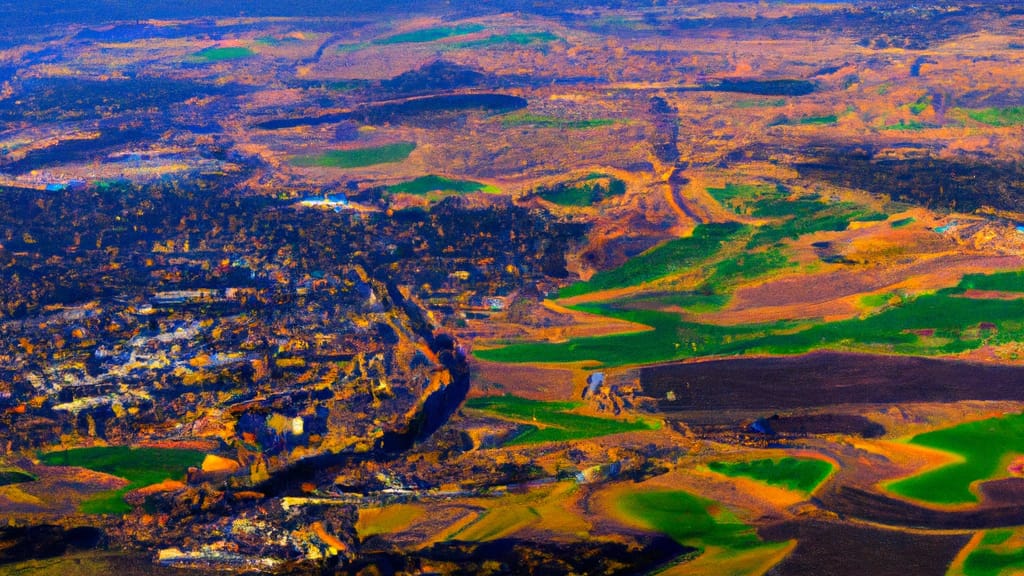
[(346, 85), (872, 217), (803, 475), (793, 216), (805, 121), (357, 158), (746, 266), (912, 126), (686, 519), (984, 446), (693, 301), (877, 300), (1011, 116), (1001, 282), (670, 339), (902, 222), (941, 322), (431, 34), (513, 38), (552, 421), (541, 121), (996, 554), (760, 103), (224, 53), (352, 47), (814, 217), (738, 197), (570, 196), (954, 320), (828, 119), (277, 40), (802, 216), (920, 105), (672, 257), (139, 466), (585, 193), (432, 183)]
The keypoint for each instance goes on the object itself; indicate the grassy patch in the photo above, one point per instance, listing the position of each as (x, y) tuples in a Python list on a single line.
[(902, 222), (760, 103), (108, 502), (346, 85), (1000, 282), (353, 47), (740, 198), (552, 421), (694, 521), (998, 552), (803, 475), (669, 338), (912, 126), (223, 53), (805, 121), (1000, 117), (983, 445), (745, 266), (570, 196), (585, 193), (359, 157), (952, 320), (799, 216), (672, 257), (696, 301), (277, 40), (542, 121), (877, 300), (920, 105), (943, 322), (514, 38), (431, 34), (13, 475), (828, 119), (139, 466), (794, 217), (433, 183)]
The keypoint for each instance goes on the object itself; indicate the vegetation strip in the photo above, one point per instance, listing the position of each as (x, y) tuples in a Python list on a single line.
[(358, 157), (220, 54), (433, 183), (140, 466), (431, 34), (552, 421), (800, 474), (723, 540), (983, 445)]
